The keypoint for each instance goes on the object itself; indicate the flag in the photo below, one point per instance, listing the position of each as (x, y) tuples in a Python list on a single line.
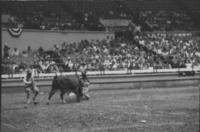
[(15, 30)]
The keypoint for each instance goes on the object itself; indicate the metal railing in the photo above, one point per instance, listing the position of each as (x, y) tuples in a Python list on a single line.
[(46, 75)]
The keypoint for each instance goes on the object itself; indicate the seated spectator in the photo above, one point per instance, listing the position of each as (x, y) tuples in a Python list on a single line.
[(6, 50), (15, 52), (24, 54)]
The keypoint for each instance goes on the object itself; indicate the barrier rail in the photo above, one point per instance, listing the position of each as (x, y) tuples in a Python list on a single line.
[(43, 75), (114, 81)]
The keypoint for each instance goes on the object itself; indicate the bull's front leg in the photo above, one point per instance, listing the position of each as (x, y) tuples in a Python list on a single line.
[(62, 97), (78, 98), (50, 95), (86, 93)]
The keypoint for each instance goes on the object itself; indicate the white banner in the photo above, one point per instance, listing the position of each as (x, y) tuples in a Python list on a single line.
[(115, 22)]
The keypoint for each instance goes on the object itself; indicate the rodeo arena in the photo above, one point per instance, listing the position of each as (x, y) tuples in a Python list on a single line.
[(100, 65)]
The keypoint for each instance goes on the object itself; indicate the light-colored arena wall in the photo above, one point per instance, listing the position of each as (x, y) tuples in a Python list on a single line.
[(47, 39), (115, 81)]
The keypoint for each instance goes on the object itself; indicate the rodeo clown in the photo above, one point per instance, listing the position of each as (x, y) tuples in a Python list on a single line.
[(30, 86), (86, 82)]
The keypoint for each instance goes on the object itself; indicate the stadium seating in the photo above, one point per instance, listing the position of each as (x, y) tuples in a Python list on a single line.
[(112, 54), (147, 51), (36, 14), (85, 14)]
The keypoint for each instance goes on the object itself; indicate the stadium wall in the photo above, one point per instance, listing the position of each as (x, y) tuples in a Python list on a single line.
[(47, 39), (115, 81)]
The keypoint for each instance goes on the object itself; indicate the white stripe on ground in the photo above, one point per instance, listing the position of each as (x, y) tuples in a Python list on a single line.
[(137, 125), (9, 125)]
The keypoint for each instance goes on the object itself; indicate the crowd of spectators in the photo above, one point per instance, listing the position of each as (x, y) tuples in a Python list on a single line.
[(147, 51), (44, 16), (107, 54), (167, 20), (179, 50), (86, 15)]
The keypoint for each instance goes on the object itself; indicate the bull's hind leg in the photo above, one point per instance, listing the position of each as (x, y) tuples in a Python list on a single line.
[(79, 94), (36, 92), (62, 97), (50, 95), (34, 97)]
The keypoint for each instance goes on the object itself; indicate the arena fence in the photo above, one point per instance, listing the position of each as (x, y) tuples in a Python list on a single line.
[(91, 73), (115, 81)]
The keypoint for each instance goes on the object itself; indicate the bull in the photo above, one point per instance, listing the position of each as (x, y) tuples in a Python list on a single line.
[(67, 84)]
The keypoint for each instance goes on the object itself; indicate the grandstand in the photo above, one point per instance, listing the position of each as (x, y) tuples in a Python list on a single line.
[(165, 28), (85, 14)]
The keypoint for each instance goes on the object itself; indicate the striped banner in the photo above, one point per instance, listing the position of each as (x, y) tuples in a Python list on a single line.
[(15, 31)]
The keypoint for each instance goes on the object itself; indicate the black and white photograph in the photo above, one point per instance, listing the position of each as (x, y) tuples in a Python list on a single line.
[(100, 65)]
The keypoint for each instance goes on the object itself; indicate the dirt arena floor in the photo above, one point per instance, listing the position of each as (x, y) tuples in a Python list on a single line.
[(139, 110)]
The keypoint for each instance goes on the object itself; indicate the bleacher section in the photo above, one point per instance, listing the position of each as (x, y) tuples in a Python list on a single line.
[(104, 8), (193, 5), (34, 14), (134, 50), (153, 5), (85, 14)]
